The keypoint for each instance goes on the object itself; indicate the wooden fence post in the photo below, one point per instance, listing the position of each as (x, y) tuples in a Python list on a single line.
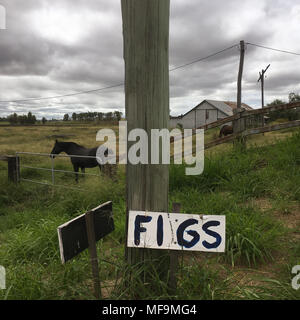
[(90, 229), (110, 170), (146, 55), (239, 125), (13, 168)]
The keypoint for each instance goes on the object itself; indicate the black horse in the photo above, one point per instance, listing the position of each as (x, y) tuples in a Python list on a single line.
[(73, 149), (225, 130)]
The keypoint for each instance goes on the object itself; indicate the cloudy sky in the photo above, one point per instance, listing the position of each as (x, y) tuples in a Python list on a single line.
[(57, 47)]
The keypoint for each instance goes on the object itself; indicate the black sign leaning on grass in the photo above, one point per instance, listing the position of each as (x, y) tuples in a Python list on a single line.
[(73, 237)]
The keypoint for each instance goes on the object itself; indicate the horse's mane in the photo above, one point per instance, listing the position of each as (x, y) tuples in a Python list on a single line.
[(73, 143)]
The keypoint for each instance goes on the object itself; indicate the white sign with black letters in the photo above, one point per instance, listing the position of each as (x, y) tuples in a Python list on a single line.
[(176, 231)]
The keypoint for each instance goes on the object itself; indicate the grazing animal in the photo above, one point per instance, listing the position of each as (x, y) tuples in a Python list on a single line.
[(72, 148), (225, 130)]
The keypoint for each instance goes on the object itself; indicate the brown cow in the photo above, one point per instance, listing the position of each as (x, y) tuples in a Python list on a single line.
[(225, 130)]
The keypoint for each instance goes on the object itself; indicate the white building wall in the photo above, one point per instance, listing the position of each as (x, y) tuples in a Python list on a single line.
[(197, 117)]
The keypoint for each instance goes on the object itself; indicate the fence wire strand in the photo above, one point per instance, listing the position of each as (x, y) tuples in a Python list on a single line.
[(52, 170), (52, 185)]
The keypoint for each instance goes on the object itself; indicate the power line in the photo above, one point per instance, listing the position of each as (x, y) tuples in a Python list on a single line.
[(268, 48), (116, 85), (201, 59), (65, 95), (122, 84)]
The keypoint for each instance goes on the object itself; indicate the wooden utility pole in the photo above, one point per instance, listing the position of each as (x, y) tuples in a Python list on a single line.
[(146, 55), (237, 124), (240, 74), (261, 79)]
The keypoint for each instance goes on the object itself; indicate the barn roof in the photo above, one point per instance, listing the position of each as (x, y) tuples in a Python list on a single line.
[(233, 105), (224, 106)]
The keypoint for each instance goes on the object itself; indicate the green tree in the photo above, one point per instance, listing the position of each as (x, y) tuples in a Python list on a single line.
[(118, 115), (294, 97), (30, 119), (276, 102), (100, 116), (74, 116), (109, 116), (291, 114), (66, 117), (13, 118)]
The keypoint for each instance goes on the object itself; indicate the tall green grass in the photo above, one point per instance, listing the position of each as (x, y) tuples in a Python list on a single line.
[(30, 215)]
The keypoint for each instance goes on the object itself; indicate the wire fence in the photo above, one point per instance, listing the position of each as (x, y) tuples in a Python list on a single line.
[(52, 169)]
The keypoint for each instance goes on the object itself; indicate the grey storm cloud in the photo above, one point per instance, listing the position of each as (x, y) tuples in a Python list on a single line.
[(65, 46)]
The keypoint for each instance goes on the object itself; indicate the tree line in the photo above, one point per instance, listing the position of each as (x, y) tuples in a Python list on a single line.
[(29, 118), (14, 119), (292, 114), (94, 116), (22, 119)]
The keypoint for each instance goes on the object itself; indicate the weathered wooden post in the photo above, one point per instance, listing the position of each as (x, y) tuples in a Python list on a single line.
[(240, 74), (13, 168), (52, 170), (146, 55), (239, 125), (110, 170), (90, 229), (262, 81)]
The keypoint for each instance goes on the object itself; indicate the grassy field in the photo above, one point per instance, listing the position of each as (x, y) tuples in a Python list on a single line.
[(258, 190)]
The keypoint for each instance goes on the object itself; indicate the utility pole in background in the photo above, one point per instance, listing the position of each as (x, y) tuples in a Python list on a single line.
[(239, 124), (261, 79), (240, 75)]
